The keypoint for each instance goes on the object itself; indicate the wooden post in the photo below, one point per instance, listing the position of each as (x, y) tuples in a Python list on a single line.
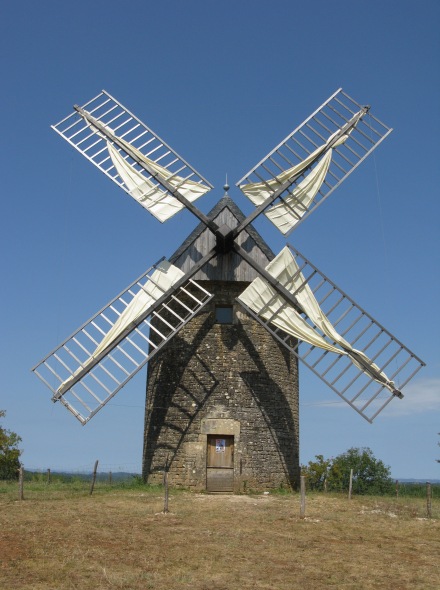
[(95, 469), (20, 483), (48, 476), (110, 478), (302, 509), (165, 483), (325, 485), (397, 488), (350, 487), (428, 499)]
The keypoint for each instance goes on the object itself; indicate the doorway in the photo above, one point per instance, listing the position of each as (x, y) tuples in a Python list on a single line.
[(220, 463)]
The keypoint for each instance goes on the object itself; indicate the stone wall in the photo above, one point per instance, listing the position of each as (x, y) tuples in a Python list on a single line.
[(223, 379)]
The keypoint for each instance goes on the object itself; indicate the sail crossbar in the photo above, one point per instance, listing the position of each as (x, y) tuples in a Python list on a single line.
[(300, 197), (113, 369), (344, 374), (120, 122)]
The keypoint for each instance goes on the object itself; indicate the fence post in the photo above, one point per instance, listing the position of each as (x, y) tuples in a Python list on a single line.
[(302, 509), (428, 499), (95, 469), (165, 483), (350, 487), (48, 476), (397, 488), (20, 482), (110, 478)]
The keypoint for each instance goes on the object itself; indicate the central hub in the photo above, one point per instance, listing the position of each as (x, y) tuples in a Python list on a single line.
[(224, 240)]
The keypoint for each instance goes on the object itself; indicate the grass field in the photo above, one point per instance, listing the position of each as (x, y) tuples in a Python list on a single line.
[(60, 538)]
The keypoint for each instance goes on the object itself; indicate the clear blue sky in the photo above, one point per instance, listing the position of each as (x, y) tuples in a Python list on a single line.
[(222, 83)]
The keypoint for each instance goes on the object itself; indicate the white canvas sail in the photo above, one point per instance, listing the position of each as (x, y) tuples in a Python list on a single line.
[(258, 192), (162, 279), (287, 212), (160, 204), (264, 300)]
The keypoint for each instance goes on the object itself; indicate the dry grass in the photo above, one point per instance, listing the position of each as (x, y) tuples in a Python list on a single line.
[(121, 540)]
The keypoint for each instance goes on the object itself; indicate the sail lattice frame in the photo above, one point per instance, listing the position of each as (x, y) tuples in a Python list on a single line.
[(341, 134), (328, 119), (125, 125), (99, 384), (360, 391)]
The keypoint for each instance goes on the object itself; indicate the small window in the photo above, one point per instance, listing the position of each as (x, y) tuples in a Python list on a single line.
[(223, 314)]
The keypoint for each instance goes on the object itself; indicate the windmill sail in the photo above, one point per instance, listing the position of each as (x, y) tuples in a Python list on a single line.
[(292, 299), (288, 211), (258, 192), (162, 279), (150, 195), (263, 299), (340, 342), (305, 168), (114, 121), (93, 364)]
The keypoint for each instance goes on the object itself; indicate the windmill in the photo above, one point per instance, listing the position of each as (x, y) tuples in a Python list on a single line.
[(288, 301)]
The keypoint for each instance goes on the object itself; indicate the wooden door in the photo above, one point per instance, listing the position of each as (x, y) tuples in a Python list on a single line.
[(220, 463)]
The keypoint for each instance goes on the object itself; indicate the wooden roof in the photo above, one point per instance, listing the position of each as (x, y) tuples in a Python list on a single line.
[(224, 267)]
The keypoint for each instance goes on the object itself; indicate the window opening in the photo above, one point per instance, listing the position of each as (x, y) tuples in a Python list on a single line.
[(224, 314)]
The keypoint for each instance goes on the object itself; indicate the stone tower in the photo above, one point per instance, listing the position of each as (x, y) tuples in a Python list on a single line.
[(222, 395)]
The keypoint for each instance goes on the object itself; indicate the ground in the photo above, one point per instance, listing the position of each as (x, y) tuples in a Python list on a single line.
[(120, 539)]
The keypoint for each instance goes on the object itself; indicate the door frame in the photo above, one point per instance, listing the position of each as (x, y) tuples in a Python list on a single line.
[(209, 440)]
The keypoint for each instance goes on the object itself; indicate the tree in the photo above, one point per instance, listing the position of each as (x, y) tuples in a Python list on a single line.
[(9, 452), (370, 475), (317, 472)]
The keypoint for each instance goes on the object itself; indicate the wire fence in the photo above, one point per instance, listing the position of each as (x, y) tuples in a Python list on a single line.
[(130, 474)]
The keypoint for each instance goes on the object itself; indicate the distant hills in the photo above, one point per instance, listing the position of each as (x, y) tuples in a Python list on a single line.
[(419, 481), (85, 475)]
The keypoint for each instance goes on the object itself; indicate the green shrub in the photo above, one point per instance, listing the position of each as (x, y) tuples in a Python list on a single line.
[(9, 452), (370, 475)]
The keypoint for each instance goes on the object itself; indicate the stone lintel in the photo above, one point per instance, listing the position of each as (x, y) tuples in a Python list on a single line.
[(221, 426)]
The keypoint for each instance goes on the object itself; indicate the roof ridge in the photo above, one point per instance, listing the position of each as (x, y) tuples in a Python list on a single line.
[(223, 203)]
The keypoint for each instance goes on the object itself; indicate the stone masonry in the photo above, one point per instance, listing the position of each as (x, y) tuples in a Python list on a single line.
[(222, 379)]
